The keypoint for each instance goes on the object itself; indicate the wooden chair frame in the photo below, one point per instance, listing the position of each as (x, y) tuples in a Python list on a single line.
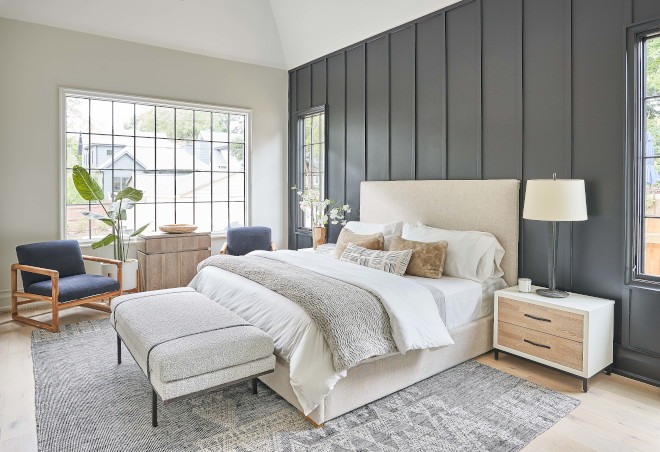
[(223, 250), (88, 302)]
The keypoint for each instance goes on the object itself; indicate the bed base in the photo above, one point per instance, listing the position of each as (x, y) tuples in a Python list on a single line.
[(376, 379)]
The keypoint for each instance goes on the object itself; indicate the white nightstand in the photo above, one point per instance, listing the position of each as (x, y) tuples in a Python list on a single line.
[(572, 334)]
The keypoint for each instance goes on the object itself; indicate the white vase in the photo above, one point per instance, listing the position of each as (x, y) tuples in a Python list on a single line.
[(128, 273)]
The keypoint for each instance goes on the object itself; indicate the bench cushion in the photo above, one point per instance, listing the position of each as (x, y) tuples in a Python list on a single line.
[(188, 334)]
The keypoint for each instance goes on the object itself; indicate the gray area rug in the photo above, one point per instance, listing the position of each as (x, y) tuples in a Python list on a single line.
[(85, 402)]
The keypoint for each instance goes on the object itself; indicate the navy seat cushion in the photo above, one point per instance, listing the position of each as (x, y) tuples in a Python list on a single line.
[(241, 241), (75, 287), (61, 255)]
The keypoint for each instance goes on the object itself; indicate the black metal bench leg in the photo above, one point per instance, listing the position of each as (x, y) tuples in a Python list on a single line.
[(254, 386), (585, 384), (154, 408), (497, 354), (118, 349)]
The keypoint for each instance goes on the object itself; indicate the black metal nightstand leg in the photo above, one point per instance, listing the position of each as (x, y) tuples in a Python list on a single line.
[(154, 408), (496, 352), (585, 384), (118, 349), (608, 370), (254, 386)]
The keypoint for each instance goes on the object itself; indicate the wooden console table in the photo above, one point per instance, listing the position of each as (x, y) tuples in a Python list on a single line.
[(170, 260)]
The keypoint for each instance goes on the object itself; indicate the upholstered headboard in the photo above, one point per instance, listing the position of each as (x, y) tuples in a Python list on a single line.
[(463, 205)]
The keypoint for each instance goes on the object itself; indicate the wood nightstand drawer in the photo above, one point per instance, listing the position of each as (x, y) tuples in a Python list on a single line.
[(542, 345), (564, 324)]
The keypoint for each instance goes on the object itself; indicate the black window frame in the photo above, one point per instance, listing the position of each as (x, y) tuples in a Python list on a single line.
[(635, 153), (300, 158)]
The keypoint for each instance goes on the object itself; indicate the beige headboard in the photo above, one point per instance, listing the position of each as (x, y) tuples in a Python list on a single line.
[(462, 205)]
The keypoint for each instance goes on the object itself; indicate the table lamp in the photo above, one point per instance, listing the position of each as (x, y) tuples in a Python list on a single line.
[(554, 200)]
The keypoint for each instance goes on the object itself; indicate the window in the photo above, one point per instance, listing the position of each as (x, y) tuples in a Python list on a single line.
[(189, 160), (311, 157), (645, 175)]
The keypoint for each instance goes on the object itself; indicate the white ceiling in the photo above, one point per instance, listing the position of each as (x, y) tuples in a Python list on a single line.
[(276, 33)]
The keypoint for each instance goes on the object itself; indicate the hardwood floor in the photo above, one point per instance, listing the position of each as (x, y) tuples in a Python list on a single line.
[(617, 414)]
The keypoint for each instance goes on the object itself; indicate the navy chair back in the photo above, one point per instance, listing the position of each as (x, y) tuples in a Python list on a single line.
[(62, 255), (241, 241)]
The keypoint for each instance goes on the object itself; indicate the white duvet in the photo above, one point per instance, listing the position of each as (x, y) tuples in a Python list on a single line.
[(413, 312)]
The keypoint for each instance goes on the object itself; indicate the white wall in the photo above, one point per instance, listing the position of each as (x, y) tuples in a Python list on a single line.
[(36, 60)]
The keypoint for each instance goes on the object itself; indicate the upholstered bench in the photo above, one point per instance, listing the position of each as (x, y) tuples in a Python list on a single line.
[(187, 344)]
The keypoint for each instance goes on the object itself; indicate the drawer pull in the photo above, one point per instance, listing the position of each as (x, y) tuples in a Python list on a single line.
[(538, 318), (537, 345)]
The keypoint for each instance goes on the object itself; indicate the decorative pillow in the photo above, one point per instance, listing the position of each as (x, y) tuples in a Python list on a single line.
[(428, 259), (471, 255), (346, 236), (389, 230), (388, 261)]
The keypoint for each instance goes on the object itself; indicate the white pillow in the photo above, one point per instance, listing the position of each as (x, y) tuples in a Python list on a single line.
[(470, 254), (389, 230)]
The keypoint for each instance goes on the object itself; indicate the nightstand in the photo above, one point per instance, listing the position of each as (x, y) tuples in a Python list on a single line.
[(572, 334)]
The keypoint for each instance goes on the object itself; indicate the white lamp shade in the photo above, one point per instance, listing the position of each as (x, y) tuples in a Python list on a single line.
[(555, 200)]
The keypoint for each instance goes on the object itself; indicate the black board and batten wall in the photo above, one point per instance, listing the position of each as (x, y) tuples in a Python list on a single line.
[(491, 89)]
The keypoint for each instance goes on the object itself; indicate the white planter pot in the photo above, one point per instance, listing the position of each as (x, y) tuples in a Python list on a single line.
[(128, 273)]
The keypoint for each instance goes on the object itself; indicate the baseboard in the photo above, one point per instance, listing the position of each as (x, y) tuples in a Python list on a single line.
[(636, 365)]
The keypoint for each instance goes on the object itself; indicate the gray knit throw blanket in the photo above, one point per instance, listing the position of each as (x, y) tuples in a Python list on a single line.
[(352, 320)]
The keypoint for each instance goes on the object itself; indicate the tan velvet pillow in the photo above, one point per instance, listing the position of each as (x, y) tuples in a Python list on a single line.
[(370, 241), (428, 259)]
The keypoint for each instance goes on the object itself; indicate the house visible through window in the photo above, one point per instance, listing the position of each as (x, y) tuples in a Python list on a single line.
[(189, 161), (311, 155)]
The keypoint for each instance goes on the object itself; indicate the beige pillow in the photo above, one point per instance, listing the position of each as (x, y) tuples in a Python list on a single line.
[(428, 259), (370, 242)]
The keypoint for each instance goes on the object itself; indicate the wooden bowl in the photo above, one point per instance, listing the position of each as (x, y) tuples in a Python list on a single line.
[(178, 228)]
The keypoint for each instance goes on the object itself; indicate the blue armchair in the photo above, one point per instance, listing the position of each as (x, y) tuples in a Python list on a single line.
[(241, 241), (55, 272)]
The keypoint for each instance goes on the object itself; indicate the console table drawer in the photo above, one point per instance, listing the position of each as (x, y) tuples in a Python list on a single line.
[(564, 324), (541, 345)]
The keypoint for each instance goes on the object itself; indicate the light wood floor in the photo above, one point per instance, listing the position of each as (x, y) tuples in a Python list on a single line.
[(617, 414)]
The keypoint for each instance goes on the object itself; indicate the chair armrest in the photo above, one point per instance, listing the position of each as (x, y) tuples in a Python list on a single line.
[(39, 270), (103, 260), (223, 250), (272, 246)]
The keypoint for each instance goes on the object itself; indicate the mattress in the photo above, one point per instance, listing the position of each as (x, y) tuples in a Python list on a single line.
[(465, 300)]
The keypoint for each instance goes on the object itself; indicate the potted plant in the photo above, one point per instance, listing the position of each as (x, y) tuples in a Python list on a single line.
[(115, 214), (318, 209)]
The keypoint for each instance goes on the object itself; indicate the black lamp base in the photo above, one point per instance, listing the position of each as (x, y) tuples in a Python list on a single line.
[(552, 293)]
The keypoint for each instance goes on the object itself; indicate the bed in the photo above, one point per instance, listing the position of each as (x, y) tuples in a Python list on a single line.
[(489, 206)]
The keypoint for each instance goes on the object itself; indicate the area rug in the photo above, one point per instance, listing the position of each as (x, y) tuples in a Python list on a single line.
[(86, 402)]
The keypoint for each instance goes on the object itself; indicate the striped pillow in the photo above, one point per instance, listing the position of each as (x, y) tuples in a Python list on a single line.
[(388, 261)]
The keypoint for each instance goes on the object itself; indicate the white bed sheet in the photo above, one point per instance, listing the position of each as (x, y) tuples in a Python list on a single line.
[(465, 300)]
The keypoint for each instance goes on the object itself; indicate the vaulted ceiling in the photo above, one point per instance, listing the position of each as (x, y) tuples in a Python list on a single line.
[(276, 33)]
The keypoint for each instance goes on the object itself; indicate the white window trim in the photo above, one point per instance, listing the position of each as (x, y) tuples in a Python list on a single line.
[(99, 95)]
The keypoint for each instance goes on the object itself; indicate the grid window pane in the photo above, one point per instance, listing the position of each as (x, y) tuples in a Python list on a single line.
[(203, 215), (202, 125), (184, 124), (100, 113), (237, 128), (145, 120), (220, 216), (124, 118), (181, 159), (236, 214), (652, 246), (77, 114)]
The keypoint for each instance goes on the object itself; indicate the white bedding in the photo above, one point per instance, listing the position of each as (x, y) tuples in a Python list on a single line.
[(416, 322), (465, 300)]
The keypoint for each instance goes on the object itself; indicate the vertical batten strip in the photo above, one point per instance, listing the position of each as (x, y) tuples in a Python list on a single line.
[(389, 106), (443, 106), (480, 123), (345, 121), (413, 167), (568, 118), (521, 130), (366, 105)]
